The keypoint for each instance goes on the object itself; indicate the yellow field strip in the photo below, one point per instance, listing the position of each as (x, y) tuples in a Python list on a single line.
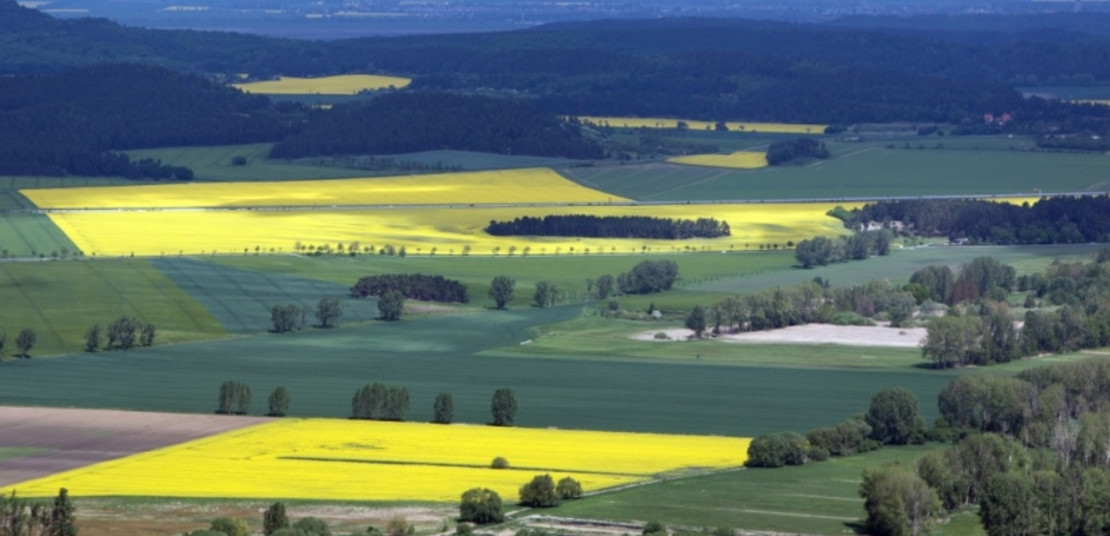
[(479, 187), (421, 230), (740, 126), (382, 461), (347, 84), (737, 160)]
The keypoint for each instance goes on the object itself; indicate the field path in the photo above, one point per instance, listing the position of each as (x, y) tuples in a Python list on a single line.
[(73, 438)]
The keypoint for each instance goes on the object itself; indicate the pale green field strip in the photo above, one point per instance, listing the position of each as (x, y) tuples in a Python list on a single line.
[(27, 235), (60, 300), (215, 163)]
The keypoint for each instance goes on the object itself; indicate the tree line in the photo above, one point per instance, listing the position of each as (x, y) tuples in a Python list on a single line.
[(583, 225), (407, 122), (822, 250), (20, 517), (1054, 220), (413, 286), (795, 150)]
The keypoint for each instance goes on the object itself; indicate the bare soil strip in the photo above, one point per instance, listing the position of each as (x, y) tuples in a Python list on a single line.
[(810, 334), (78, 437)]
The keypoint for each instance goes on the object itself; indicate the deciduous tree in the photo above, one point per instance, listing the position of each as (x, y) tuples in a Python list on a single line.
[(443, 410), (328, 312), (503, 407), (501, 290), (25, 341), (481, 506)]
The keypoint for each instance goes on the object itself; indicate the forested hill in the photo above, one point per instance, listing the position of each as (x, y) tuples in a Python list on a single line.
[(65, 123), (421, 121)]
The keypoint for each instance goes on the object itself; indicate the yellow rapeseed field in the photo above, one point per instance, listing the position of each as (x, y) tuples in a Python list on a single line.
[(347, 84), (737, 160), (503, 186), (743, 126), (382, 461), (424, 230)]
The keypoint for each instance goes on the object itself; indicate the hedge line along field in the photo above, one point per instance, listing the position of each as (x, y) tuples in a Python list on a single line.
[(425, 231), (328, 459), (26, 235), (322, 369), (740, 126), (869, 170), (533, 185), (736, 160), (347, 84), (60, 300)]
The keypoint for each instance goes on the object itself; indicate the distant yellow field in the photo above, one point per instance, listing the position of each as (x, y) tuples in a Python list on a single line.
[(655, 122), (347, 84), (420, 230), (505, 186), (737, 160), (301, 459)]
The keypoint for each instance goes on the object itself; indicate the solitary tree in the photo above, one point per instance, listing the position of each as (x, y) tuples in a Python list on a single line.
[(696, 321), (568, 488), (545, 294), (391, 305), (501, 290), (503, 407), (25, 341), (328, 312), (481, 506), (274, 519), (61, 516), (444, 409), (92, 338), (279, 402), (146, 335), (539, 493)]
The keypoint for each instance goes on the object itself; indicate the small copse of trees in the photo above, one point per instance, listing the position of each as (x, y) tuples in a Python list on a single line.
[(412, 286)]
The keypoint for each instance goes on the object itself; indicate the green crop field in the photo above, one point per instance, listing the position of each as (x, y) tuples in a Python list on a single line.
[(816, 498), (26, 235), (60, 300), (323, 368), (868, 170)]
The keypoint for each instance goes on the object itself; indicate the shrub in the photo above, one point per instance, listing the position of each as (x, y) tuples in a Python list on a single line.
[(500, 463), (777, 450), (568, 489), (481, 506), (662, 336), (540, 492)]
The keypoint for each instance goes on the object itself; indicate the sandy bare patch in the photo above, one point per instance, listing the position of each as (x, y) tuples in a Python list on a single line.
[(810, 334), (79, 437)]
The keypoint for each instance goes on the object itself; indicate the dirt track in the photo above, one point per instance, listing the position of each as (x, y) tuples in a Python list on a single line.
[(79, 437)]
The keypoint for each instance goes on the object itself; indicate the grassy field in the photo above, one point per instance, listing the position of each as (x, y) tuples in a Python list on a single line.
[(60, 300), (816, 498), (898, 266), (864, 170)]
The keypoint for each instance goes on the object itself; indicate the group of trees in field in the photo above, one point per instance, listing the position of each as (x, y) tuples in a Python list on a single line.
[(582, 225), (647, 277), (407, 122), (21, 517), (235, 399), (858, 246), (24, 341), (1054, 220), (412, 286), (483, 506), (983, 333), (290, 317), (124, 333), (379, 402), (796, 150)]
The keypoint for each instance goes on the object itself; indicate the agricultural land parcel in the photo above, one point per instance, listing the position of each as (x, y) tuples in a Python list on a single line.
[(326, 459), (737, 160), (349, 84), (866, 170)]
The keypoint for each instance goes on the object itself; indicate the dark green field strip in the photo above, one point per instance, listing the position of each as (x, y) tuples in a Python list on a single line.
[(61, 299), (864, 170), (322, 369), (241, 300), (904, 262), (817, 498), (484, 467)]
